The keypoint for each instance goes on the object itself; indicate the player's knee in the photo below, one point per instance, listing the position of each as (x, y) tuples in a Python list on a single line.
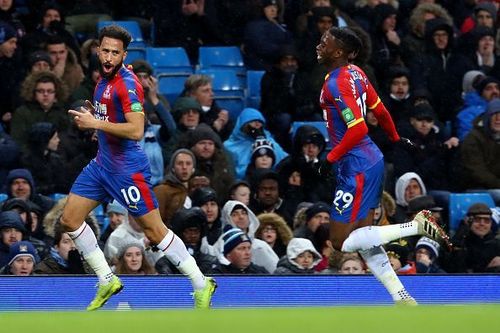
[(361, 239)]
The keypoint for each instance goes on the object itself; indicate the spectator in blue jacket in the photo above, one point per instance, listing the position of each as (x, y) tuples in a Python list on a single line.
[(249, 126)]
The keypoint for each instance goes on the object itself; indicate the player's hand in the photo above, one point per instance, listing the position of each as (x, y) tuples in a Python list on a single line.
[(407, 142), (84, 119)]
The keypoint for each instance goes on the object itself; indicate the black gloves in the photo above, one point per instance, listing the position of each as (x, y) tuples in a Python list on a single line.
[(324, 168), (407, 142)]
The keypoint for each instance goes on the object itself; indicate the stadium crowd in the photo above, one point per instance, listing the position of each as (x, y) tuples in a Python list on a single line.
[(243, 190)]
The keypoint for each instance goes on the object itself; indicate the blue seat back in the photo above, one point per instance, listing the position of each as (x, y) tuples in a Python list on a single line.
[(134, 54), (3, 197), (220, 57), (168, 60), (460, 203), (253, 88), (131, 26), (233, 104), (171, 86), (224, 82)]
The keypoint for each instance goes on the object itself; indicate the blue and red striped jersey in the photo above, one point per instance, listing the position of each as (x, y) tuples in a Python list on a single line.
[(345, 97), (112, 100)]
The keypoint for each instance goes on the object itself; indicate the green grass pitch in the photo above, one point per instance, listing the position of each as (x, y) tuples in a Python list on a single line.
[(386, 319)]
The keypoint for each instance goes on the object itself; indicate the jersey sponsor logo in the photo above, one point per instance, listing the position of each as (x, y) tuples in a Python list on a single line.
[(132, 91), (136, 107), (338, 99), (101, 111), (348, 116)]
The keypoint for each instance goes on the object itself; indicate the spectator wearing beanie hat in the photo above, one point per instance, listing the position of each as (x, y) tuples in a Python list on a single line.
[(299, 169), (20, 184), (22, 259), (212, 161), (8, 37), (206, 199), (116, 214), (235, 214), (262, 157), (475, 247), (39, 61), (32, 224), (12, 230), (237, 254), (132, 260), (398, 253), (240, 190), (315, 215), (426, 255), (432, 147)]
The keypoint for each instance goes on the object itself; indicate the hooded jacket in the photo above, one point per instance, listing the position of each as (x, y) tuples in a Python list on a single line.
[(45, 203), (401, 185), (297, 246), (172, 193), (239, 144), (262, 254), (481, 155)]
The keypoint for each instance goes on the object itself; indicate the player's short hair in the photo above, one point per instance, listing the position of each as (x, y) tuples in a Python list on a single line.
[(116, 32), (349, 40)]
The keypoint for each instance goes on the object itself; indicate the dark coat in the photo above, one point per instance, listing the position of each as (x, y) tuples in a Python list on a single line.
[(430, 158), (480, 157), (471, 254), (230, 269)]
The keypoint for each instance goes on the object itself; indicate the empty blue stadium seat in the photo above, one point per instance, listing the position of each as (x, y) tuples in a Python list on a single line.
[(171, 86), (233, 104), (320, 125), (221, 57), (3, 197), (460, 203), (168, 60), (134, 54), (225, 58), (253, 88), (133, 29), (224, 82)]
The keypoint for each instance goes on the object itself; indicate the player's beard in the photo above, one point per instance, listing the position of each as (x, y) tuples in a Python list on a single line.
[(111, 74)]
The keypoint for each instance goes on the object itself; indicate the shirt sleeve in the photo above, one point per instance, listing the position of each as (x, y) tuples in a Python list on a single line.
[(380, 112), (131, 96), (351, 112)]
